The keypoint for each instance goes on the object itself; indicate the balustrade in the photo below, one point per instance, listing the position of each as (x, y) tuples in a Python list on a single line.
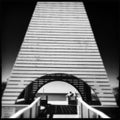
[(31, 111), (86, 111)]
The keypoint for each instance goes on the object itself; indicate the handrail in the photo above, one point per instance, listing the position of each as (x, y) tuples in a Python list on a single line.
[(26, 112), (97, 112), (22, 111)]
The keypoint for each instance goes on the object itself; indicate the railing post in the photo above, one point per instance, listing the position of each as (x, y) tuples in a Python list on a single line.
[(38, 107), (85, 112), (89, 112), (79, 109), (36, 110), (93, 114), (28, 112)]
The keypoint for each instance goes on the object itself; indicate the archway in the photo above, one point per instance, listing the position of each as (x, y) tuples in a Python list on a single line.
[(84, 89), (56, 91)]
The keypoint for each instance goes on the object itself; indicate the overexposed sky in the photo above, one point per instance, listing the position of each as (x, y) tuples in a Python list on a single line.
[(57, 87)]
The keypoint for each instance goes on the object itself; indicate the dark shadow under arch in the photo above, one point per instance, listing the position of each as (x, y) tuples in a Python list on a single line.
[(84, 89)]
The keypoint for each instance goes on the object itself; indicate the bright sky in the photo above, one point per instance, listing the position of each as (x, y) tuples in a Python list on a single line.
[(57, 87)]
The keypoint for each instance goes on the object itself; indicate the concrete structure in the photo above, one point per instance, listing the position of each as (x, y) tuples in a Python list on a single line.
[(59, 39)]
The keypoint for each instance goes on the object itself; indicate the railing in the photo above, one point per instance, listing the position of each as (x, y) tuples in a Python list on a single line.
[(86, 111), (32, 111), (8, 110)]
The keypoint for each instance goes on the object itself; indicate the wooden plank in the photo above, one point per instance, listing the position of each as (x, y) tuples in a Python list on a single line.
[(71, 24), (74, 13), (15, 86), (35, 76), (75, 24), (107, 99), (69, 17), (10, 98), (65, 20), (60, 59), (41, 54), (59, 47), (13, 90), (56, 14), (59, 44), (31, 79), (104, 83), (57, 28), (44, 41), (8, 102), (57, 65), (36, 29), (57, 71), (32, 61), (57, 35), (81, 70), (78, 26), (57, 8), (108, 103), (59, 53), (93, 81), (53, 14), (11, 94), (59, 39), (105, 95), (14, 80), (42, 27)]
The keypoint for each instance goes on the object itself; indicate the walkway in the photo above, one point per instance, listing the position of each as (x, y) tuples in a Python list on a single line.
[(58, 111)]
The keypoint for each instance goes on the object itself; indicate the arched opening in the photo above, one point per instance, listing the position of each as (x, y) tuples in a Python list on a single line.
[(87, 94), (57, 91)]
